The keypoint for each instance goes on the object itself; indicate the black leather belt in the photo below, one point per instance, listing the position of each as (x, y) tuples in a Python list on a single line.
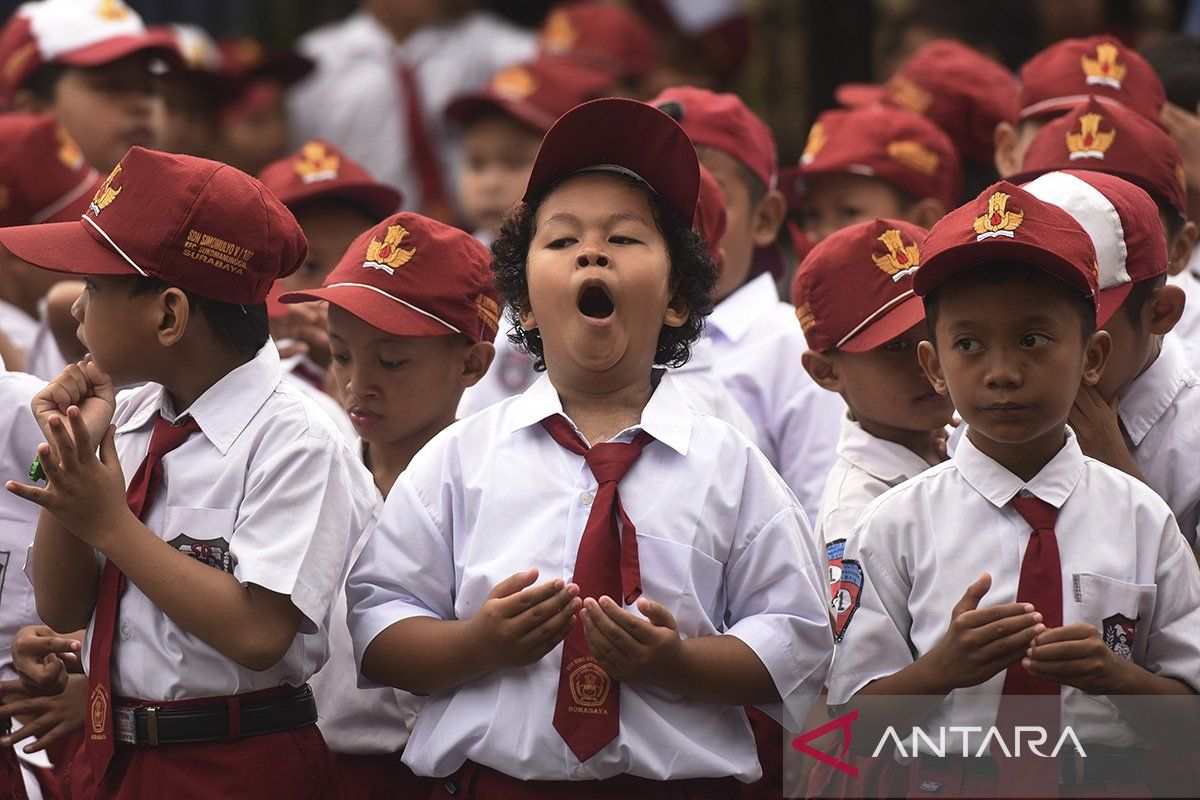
[(154, 725), (1103, 764)]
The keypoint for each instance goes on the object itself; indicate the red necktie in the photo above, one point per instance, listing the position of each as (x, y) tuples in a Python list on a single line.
[(1041, 585), (424, 158), (587, 712), (100, 743)]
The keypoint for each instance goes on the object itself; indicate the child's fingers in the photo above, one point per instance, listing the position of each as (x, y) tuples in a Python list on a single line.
[(553, 606), (972, 596), (50, 463), (12, 687), (657, 613), (525, 599), (614, 634), (108, 447), (637, 629), (62, 443), (1009, 648), (1059, 671), (1066, 633), (33, 494), (981, 617), (46, 645), (545, 637), (513, 584), (1062, 651), (84, 449), (101, 383), (55, 734)]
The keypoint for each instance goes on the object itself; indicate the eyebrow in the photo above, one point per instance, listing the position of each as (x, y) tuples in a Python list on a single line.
[(609, 221), (1035, 319)]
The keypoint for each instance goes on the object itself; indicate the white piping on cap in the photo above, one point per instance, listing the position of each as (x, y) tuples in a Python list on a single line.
[(433, 317), (108, 239)]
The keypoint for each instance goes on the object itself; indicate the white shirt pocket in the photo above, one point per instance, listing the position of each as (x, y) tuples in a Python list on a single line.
[(1120, 611), (202, 533)]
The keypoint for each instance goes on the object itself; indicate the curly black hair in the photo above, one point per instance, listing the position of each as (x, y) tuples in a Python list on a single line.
[(693, 276)]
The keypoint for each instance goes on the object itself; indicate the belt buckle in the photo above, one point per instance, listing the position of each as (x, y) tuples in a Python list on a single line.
[(125, 724)]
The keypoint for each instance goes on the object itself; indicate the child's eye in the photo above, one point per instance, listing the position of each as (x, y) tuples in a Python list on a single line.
[(623, 240), (967, 345), (851, 212), (339, 358), (392, 364), (1034, 340), (559, 244)]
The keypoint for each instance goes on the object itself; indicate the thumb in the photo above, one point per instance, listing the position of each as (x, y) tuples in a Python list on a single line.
[(971, 597), (102, 385), (514, 583), (656, 613), (108, 447)]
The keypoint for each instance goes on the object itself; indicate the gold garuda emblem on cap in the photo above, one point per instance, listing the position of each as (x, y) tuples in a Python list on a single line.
[(387, 255), (998, 220), (113, 10), (105, 194), (68, 152), (1090, 141), (913, 155), (316, 163), (907, 94), (817, 137), (901, 259), (1104, 69), (488, 310), (558, 33), (514, 83)]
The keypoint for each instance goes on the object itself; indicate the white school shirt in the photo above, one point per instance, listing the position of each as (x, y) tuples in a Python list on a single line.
[(19, 440), (923, 543), (866, 467), (267, 490), (722, 544), (757, 343), (19, 327), (1188, 326), (1160, 412), (353, 98), (371, 721)]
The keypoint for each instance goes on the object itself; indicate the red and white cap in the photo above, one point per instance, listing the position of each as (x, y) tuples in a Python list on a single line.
[(1069, 71), (1122, 221), (193, 223), (43, 175), (414, 276), (854, 290), (608, 35), (319, 171), (537, 93), (1007, 223), (77, 33)]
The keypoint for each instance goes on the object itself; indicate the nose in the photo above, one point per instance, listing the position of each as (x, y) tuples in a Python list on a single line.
[(359, 385), (1003, 369), (592, 255), (77, 308)]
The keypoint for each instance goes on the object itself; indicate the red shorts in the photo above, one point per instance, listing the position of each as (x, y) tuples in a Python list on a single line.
[(12, 784), (292, 765), (476, 782), (768, 738), (379, 778)]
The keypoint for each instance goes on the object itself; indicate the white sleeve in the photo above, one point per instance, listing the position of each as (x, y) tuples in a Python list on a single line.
[(1173, 646), (804, 433)]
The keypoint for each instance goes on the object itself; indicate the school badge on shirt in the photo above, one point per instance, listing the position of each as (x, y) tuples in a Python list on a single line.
[(1119, 632), (214, 552), (846, 596)]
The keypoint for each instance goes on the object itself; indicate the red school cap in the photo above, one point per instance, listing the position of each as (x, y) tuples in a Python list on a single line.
[(1007, 223), (193, 223), (1114, 139), (894, 145), (1122, 221), (710, 214), (622, 136), (76, 33), (723, 122), (536, 93), (43, 175), (414, 276), (608, 35), (319, 171), (1069, 71), (963, 91), (854, 290)]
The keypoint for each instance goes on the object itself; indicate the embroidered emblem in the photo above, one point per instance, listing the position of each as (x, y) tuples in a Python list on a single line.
[(833, 553), (589, 686), (488, 310), (387, 254), (846, 596), (112, 10), (214, 552), (68, 152), (1119, 632), (317, 164), (817, 137), (98, 712), (105, 194), (998, 220), (900, 259), (907, 94), (807, 319), (913, 155), (559, 33), (514, 83), (1104, 69), (1090, 141)]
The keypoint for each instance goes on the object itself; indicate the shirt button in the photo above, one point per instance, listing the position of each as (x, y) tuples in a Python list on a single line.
[(582, 772), (126, 632), (586, 498)]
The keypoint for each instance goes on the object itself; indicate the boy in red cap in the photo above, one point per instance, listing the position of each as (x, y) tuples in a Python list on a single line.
[(228, 563), (410, 328), (1066, 74), (1049, 561), (610, 36), (88, 64), (612, 670), (751, 331), (876, 163)]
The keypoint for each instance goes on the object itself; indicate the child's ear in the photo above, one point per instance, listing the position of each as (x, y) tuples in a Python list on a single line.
[(932, 365), (479, 359), (528, 321), (925, 212), (1164, 308), (677, 313), (768, 216), (1004, 138), (1181, 248), (173, 312), (1095, 357), (822, 367)]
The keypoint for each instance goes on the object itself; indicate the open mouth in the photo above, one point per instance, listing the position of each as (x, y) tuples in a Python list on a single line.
[(595, 303)]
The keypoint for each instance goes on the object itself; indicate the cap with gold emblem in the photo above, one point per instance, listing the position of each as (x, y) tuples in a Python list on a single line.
[(193, 223), (854, 290), (319, 171), (414, 276), (1007, 223), (1068, 71), (536, 93), (605, 34), (43, 175)]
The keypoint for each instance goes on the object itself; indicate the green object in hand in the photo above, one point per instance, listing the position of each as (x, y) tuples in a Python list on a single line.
[(36, 473)]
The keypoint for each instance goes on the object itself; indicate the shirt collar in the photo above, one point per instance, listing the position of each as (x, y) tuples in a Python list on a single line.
[(886, 461), (1053, 484), (667, 417), (1150, 394), (734, 315), (227, 407)]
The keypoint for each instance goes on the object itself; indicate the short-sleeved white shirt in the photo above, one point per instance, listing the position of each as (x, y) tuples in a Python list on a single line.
[(19, 327), (923, 543), (269, 491), (1188, 326), (722, 544), (758, 343), (1160, 412)]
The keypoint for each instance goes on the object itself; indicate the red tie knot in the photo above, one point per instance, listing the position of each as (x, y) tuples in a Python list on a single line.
[(609, 461), (1038, 513), (167, 436)]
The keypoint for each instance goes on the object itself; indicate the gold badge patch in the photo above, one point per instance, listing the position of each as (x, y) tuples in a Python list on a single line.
[(817, 137), (514, 83), (1104, 69), (112, 10), (900, 259), (105, 195), (807, 319), (913, 155), (387, 255), (488, 310), (998, 220), (558, 33), (907, 94), (98, 712), (68, 152), (589, 686), (1090, 141), (317, 164)]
